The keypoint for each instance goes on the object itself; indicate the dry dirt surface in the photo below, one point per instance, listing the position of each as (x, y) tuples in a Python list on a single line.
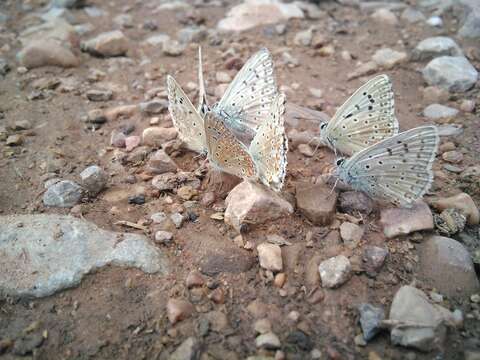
[(64, 108)]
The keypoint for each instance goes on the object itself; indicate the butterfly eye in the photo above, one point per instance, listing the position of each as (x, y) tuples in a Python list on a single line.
[(323, 126), (340, 162)]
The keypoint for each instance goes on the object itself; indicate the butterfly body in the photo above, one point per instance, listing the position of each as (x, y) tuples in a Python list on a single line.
[(398, 169), (366, 118)]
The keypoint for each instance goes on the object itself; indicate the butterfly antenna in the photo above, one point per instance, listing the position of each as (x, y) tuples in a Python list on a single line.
[(202, 95), (334, 186)]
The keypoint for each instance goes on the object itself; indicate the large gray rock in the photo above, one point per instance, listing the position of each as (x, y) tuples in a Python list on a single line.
[(438, 111), (447, 264), (436, 46), (42, 254), (416, 322), (64, 193), (453, 73)]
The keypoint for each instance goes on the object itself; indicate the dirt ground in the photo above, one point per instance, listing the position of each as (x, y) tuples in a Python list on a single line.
[(120, 313)]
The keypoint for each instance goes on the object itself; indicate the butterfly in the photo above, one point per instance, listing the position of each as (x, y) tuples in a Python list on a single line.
[(398, 169), (366, 118), (266, 157), (242, 108)]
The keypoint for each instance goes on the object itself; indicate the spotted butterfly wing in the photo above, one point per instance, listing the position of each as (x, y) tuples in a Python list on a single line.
[(398, 169), (366, 118), (225, 151), (185, 117), (247, 99), (270, 145)]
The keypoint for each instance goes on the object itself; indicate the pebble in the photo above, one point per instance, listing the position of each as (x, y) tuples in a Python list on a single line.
[(335, 271), (373, 258), (355, 201), (316, 202), (160, 163), (434, 94), (303, 38), (468, 106), (96, 116), (217, 296), (437, 111), (94, 179), (403, 221), (453, 73), (157, 136), (46, 52), (262, 326), (163, 237), (118, 139), (21, 125), (190, 349), (15, 140), (454, 157), (223, 77), (132, 142), (412, 15), (172, 48), (279, 280), (177, 219), (159, 217), (153, 107), (268, 341), (385, 16), (157, 39), (300, 339), (306, 150), (388, 58), (108, 44), (351, 234), (138, 199), (436, 46), (63, 193), (178, 310), (99, 95), (370, 320), (191, 34), (270, 257), (435, 21), (461, 202)]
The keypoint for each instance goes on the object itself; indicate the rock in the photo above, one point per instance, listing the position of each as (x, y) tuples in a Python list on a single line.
[(435, 21), (316, 202), (370, 319), (303, 38), (433, 94), (178, 310), (159, 163), (453, 156), (436, 46), (14, 140), (384, 16), (157, 40), (99, 95), (124, 20), (416, 322), (170, 181), (270, 257), (373, 258), (449, 130), (252, 13), (118, 139), (62, 249), (94, 179), (412, 15), (367, 68), (262, 326), (4, 67), (158, 218), (156, 136), (71, 4), (218, 320), (223, 78), (471, 26), (177, 219), (300, 340), (335, 271), (64, 193), (46, 52), (453, 73), (163, 237), (268, 341), (190, 349), (461, 202), (22, 125), (154, 107), (403, 221), (132, 142), (448, 265), (437, 111), (192, 34), (468, 106), (388, 58), (108, 44), (249, 203), (353, 201), (351, 234), (137, 199), (58, 31), (306, 150), (194, 279), (172, 48)]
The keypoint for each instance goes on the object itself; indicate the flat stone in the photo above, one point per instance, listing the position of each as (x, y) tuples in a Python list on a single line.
[(270, 257), (388, 58), (448, 265), (178, 310), (462, 202), (453, 73), (267, 341), (436, 46), (157, 39), (42, 254), (157, 136), (335, 271), (190, 349), (94, 179), (154, 107), (437, 111), (252, 204), (403, 221), (252, 13), (418, 323), (159, 163), (163, 237), (172, 48), (454, 156), (99, 94), (365, 69), (46, 52), (15, 140), (108, 44), (316, 202), (373, 259), (64, 193), (370, 319), (353, 201), (351, 234)]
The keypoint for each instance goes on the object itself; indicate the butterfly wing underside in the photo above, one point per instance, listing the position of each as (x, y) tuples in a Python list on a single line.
[(398, 169), (202, 94), (248, 97), (185, 117), (270, 145), (225, 151), (366, 118)]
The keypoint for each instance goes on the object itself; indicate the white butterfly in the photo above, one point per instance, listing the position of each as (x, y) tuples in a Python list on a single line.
[(266, 157), (366, 118), (398, 169), (242, 108)]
